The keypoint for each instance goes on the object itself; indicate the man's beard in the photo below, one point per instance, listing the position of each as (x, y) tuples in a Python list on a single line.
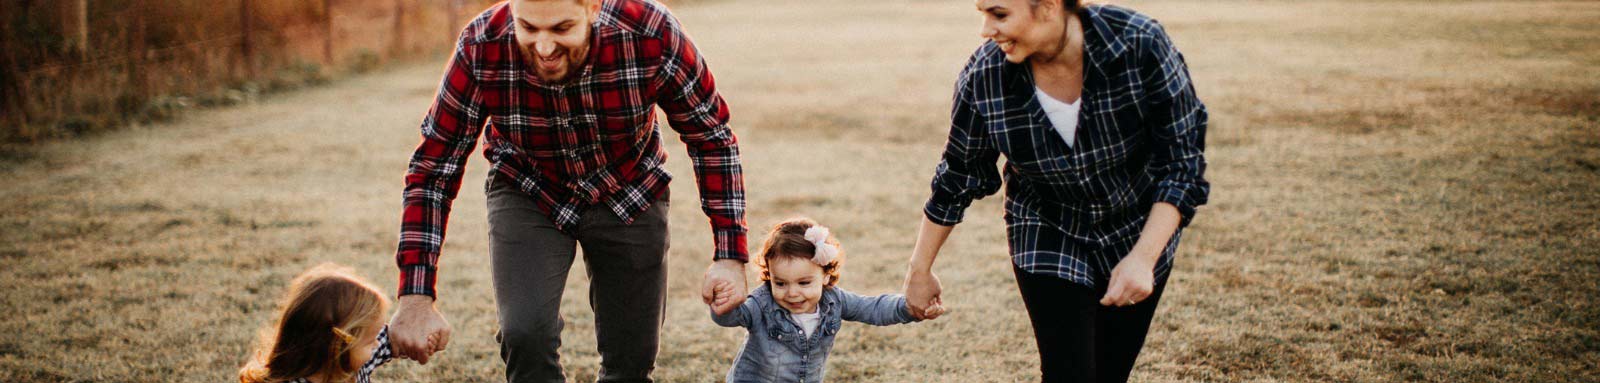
[(570, 58)]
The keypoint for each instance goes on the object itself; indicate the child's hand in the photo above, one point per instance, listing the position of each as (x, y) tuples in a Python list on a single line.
[(722, 291), (934, 310), (436, 343), (723, 285)]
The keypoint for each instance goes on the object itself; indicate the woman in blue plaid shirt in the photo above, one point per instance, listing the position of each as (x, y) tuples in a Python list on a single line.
[(1104, 141)]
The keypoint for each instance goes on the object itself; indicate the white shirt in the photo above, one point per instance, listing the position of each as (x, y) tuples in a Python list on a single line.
[(808, 322), (1062, 115)]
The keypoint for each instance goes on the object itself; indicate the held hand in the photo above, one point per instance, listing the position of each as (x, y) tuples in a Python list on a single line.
[(922, 294), (1131, 281), (935, 310), (723, 287), (417, 330)]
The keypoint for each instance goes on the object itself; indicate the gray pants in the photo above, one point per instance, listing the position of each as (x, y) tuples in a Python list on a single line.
[(627, 291)]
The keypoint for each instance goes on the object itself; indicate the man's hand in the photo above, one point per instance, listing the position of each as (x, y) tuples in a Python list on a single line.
[(922, 294), (417, 329), (723, 286)]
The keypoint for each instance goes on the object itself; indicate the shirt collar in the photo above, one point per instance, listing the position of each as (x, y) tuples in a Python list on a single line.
[(1102, 44), (501, 24)]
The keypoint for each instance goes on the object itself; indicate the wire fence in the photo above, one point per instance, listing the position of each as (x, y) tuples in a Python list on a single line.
[(69, 67)]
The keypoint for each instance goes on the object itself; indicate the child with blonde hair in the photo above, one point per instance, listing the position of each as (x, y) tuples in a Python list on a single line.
[(330, 329), (793, 316)]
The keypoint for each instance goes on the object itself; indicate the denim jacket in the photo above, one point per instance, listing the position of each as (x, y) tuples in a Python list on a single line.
[(775, 350)]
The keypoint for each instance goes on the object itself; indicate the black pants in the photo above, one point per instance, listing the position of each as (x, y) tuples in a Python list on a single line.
[(1080, 340), (627, 285)]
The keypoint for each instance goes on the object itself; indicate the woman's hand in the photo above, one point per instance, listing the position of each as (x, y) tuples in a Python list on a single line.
[(922, 287), (922, 294), (1132, 280)]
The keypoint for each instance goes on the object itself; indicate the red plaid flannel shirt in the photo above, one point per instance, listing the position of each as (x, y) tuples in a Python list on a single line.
[(590, 141)]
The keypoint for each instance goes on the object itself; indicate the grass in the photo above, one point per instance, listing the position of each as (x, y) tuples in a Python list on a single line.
[(1402, 191)]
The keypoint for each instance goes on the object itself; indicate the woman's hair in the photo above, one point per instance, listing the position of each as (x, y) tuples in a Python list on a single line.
[(323, 312), (788, 240), (1071, 6)]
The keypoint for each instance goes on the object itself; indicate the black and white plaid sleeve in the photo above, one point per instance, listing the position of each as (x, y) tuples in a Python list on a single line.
[(380, 355), (967, 170)]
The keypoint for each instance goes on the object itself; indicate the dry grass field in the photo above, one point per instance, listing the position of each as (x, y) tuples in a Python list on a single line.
[(1402, 191)]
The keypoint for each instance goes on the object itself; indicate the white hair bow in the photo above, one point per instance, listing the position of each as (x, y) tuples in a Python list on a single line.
[(818, 236)]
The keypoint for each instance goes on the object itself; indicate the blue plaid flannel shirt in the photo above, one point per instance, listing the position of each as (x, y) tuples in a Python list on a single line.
[(1074, 212)]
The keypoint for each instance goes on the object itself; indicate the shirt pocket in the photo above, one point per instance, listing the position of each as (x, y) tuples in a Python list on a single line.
[(1024, 150), (625, 123), (1112, 146)]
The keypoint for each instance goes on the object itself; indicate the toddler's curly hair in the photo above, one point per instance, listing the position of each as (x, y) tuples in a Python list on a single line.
[(787, 239)]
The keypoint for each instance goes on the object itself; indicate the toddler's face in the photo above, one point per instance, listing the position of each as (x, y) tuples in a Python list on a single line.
[(366, 342), (796, 283)]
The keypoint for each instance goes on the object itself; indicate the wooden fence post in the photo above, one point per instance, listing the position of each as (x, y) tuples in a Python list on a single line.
[(75, 27), (327, 32), (246, 50), (454, 13), (398, 45), (138, 71), (83, 26), (12, 86)]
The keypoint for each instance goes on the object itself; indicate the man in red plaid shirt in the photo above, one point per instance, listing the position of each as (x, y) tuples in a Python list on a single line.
[(563, 93)]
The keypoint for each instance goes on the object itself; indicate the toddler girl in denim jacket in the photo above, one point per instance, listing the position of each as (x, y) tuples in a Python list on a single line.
[(793, 317)]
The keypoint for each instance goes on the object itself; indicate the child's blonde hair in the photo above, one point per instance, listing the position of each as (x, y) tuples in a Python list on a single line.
[(787, 239), (321, 314)]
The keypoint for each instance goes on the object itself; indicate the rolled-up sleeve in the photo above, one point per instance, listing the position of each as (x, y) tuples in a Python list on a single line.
[(1177, 122), (697, 112), (967, 169), (449, 132)]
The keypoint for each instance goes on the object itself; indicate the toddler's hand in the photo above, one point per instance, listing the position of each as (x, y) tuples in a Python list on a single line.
[(722, 291), (723, 284), (934, 310), (435, 343)]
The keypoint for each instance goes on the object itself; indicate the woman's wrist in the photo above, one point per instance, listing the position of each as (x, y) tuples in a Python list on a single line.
[(1159, 227), (921, 264), (1145, 253), (930, 237)]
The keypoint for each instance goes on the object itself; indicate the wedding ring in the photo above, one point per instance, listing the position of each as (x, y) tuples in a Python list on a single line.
[(1130, 302)]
